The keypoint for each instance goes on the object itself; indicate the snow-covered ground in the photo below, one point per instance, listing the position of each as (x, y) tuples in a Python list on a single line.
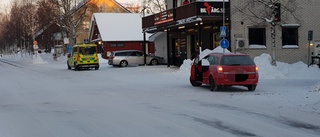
[(40, 97)]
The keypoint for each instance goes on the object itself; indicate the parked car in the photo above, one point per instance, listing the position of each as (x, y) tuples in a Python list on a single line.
[(224, 69), (83, 56), (124, 58)]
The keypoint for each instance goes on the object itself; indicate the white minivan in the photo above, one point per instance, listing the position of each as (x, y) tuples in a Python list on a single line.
[(124, 58)]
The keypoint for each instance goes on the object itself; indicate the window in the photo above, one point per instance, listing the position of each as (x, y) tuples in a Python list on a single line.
[(136, 54), (116, 44), (122, 54), (74, 49), (290, 37), (213, 60), (237, 60), (257, 37)]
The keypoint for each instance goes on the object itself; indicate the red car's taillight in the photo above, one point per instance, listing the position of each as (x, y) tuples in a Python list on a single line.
[(257, 68), (220, 69)]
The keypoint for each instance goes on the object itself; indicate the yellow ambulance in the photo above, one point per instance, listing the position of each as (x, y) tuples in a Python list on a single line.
[(83, 56)]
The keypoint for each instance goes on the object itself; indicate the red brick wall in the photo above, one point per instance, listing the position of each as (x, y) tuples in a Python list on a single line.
[(128, 45)]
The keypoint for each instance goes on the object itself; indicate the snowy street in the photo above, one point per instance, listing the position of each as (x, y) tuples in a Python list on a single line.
[(48, 100)]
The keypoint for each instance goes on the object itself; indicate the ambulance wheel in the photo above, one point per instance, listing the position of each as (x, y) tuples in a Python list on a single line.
[(76, 68), (68, 65)]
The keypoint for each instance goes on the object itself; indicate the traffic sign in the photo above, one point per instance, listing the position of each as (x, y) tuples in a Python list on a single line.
[(224, 43), (35, 42), (223, 31)]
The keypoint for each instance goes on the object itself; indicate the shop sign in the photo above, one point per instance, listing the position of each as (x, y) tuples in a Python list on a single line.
[(211, 8), (188, 20), (163, 17)]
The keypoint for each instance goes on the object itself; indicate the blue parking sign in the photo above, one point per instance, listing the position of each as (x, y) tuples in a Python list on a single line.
[(69, 49), (223, 31), (224, 43)]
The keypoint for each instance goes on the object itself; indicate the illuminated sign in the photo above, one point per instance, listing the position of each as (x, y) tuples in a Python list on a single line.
[(163, 17), (212, 8)]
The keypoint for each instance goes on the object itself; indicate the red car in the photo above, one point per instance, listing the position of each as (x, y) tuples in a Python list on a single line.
[(224, 69)]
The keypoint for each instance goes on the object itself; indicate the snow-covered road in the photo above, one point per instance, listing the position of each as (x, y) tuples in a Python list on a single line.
[(47, 100)]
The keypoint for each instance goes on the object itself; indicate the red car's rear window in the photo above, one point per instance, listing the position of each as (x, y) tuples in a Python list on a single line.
[(237, 60)]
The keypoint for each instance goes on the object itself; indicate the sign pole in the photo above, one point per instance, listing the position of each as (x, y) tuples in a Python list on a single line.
[(223, 22), (310, 37)]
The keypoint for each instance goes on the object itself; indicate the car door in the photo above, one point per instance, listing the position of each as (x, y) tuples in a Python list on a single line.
[(196, 70), (140, 58), (72, 58), (132, 58)]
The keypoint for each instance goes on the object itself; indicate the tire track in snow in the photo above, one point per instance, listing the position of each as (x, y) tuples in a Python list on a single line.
[(281, 119), (10, 63)]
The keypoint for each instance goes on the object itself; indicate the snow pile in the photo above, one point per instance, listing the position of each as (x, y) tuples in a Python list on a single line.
[(36, 59), (266, 70), (315, 87)]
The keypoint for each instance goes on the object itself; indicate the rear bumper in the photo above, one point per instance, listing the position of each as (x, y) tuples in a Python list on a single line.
[(222, 80), (92, 65)]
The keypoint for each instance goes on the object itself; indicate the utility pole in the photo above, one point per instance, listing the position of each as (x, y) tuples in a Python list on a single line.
[(144, 36)]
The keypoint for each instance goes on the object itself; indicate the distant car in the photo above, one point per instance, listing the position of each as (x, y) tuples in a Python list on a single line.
[(124, 58), (224, 69)]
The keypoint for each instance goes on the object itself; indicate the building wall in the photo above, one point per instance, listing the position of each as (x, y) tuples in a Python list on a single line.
[(306, 13), (128, 45), (161, 46)]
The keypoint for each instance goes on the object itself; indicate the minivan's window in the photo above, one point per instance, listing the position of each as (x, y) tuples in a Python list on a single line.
[(87, 50), (136, 54), (122, 54), (236, 60)]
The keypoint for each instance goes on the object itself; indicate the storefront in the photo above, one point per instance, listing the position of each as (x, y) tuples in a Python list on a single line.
[(190, 28)]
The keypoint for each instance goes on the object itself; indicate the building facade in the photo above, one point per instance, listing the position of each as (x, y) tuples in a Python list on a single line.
[(189, 28), (285, 39), (279, 28)]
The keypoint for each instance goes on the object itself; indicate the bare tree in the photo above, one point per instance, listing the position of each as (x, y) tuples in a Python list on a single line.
[(4, 17), (70, 17), (154, 6), (45, 16), (262, 11)]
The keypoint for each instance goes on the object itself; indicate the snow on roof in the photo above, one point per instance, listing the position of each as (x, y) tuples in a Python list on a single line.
[(119, 26)]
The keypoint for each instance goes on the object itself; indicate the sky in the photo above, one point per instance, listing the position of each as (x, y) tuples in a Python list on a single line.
[(41, 97)]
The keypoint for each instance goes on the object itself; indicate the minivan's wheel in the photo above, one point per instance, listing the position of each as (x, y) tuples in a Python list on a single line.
[(212, 84), (123, 63), (154, 62), (195, 83), (68, 65), (76, 68), (96, 68), (252, 87)]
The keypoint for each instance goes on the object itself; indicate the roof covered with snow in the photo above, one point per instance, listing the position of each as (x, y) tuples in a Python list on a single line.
[(119, 26)]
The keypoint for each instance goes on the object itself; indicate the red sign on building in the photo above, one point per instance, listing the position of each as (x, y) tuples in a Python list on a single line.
[(163, 17)]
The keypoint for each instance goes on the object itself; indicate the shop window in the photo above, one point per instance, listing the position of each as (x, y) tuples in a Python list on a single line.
[(289, 37), (257, 37)]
